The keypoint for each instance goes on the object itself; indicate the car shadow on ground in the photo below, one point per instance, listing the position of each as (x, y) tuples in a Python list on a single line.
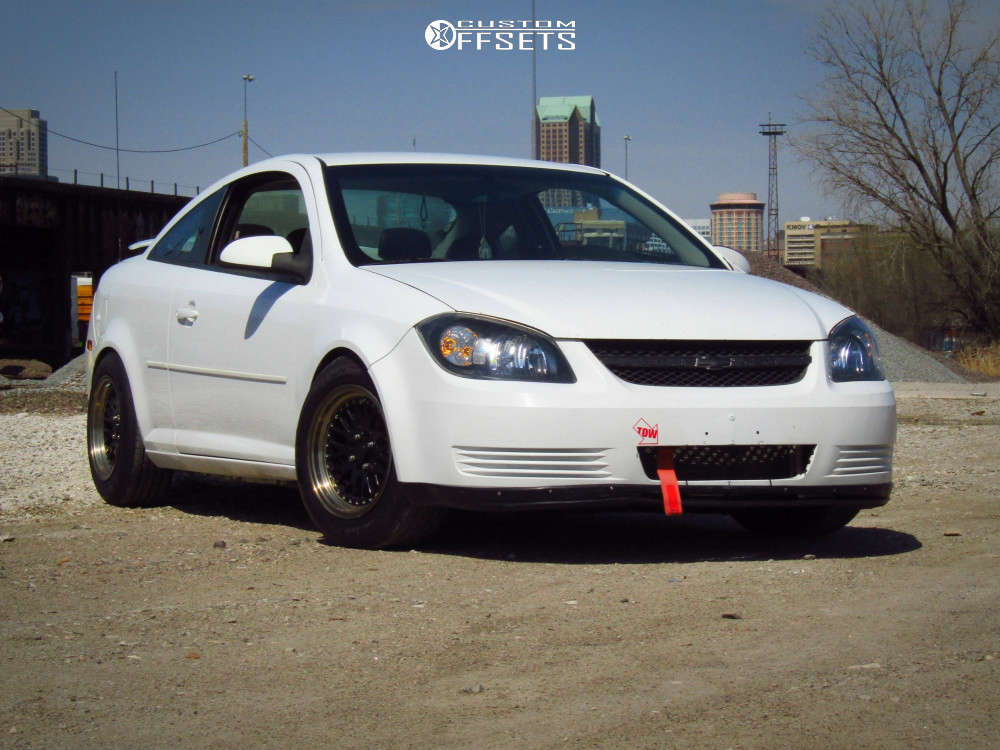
[(599, 538), (569, 538), (238, 500)]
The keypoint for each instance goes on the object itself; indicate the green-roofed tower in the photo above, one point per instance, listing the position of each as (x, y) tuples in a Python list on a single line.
[(567, 130)]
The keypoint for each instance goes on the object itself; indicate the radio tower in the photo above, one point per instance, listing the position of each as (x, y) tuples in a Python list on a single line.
[(772, 130)]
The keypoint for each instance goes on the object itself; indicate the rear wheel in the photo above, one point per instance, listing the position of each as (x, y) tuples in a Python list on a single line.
[(345, 470), (122, 473), (795, 521)]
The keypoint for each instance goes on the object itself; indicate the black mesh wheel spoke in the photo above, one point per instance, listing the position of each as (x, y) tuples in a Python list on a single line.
[(350, 457)]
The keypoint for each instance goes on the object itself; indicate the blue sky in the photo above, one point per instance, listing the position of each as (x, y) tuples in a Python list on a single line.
[(689, 81)]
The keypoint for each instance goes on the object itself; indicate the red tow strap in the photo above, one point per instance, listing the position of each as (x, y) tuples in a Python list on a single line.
[(668, 482)]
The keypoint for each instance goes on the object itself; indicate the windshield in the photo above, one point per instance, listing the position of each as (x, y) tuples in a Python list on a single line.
[(422, 213)]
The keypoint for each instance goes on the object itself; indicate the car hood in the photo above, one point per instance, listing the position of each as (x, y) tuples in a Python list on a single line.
[(592, 300)]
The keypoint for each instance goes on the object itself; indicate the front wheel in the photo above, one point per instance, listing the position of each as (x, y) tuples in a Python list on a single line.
[(122, 473), (344, 464), (795, 521)]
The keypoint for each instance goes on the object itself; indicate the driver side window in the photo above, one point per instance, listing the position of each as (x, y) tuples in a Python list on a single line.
[(187, 241)]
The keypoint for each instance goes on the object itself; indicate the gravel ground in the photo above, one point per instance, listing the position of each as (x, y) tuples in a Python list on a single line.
[(220, 619), (43, 462)]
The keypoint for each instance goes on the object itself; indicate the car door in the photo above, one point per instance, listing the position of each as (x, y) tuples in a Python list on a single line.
[(147, 305), (237, 335)]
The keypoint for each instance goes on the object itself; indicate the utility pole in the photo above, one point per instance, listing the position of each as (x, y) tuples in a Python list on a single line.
[(247, 78), (118, 161), (772, 130), (628, 139)]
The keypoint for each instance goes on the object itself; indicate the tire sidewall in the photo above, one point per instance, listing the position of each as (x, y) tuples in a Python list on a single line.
[(116, 488)]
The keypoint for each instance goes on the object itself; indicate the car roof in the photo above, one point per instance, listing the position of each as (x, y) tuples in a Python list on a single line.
[(414, 157)]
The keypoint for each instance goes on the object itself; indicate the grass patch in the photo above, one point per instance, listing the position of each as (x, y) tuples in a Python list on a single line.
[(981, 359)]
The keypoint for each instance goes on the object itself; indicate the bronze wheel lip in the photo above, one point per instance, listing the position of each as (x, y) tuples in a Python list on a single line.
[(104, 428)]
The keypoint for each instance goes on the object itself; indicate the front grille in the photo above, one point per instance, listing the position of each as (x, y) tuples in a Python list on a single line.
[(704, 364), (710, 462)]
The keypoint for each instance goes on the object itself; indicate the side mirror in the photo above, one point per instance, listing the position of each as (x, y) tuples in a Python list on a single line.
[(139, 247), (255, 252), (734, 259)]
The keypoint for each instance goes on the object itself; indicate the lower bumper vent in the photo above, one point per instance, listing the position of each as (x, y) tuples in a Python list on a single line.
[(721, 462), (503, 463)]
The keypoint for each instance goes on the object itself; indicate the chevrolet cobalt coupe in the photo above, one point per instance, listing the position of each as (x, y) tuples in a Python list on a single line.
[(400, 334)]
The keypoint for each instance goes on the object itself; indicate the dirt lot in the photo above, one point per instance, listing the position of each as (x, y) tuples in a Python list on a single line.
[(222, 620)]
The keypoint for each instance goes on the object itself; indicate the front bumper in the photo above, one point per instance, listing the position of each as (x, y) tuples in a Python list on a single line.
[(696, 498), (527, 443)]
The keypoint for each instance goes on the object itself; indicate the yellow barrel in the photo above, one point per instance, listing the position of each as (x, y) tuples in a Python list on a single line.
[(84, 298)]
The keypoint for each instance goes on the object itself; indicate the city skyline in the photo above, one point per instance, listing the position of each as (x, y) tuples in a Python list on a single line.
[(688, 82)]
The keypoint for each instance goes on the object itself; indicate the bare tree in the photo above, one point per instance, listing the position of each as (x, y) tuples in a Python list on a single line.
[(906, 126)]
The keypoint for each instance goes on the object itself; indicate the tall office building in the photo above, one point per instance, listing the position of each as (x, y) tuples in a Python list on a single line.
[(24, 148), (567, 130), (737, 221)]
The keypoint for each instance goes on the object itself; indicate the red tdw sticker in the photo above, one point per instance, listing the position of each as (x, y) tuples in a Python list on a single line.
[(649, 434)]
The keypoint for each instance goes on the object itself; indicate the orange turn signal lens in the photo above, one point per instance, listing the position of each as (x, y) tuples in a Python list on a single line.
[(457, 345)]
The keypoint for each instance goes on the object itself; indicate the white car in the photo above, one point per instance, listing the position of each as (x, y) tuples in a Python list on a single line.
[(402, 333)]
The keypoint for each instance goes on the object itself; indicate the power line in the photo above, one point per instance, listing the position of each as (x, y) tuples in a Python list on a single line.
[(258, 145), (144, 150), (132, 150)]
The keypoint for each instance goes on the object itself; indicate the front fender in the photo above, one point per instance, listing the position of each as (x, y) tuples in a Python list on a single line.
[(119, 341)]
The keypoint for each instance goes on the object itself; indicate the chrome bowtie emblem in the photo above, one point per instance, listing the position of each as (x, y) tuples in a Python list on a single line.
[(714, 363)]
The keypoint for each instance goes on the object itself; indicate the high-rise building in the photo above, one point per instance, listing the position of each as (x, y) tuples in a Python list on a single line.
[(24, 148), (737, 221), (806, 240), (567, 130)]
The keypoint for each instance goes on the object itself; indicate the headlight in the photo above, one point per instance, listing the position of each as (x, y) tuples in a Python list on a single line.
[(854, 352), (483, 348)]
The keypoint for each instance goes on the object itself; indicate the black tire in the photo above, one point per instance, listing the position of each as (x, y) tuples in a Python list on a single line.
[(795, 521), (345, 469), (122, 473)]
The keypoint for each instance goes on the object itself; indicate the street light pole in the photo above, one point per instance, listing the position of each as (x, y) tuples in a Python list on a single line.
[(246, 79), (628, 139), (534, 94)]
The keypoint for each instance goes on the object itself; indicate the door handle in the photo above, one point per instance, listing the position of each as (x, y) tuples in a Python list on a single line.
[(187, 315)]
